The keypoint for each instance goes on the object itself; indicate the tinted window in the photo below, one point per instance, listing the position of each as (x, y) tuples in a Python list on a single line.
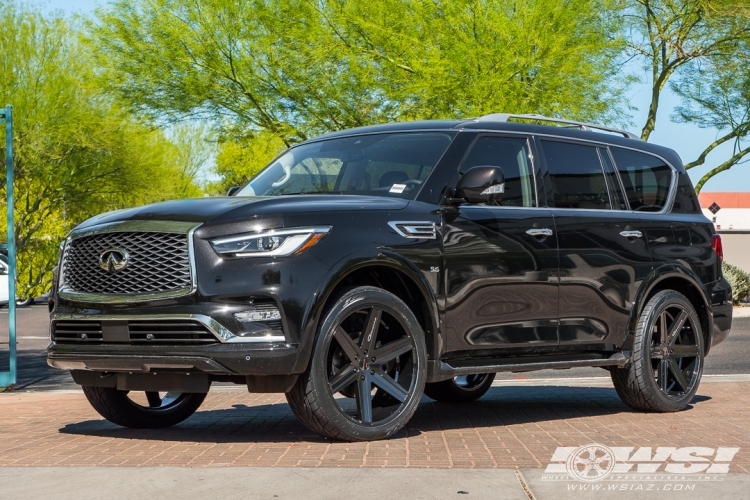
[(376, 165), (513, 157), (576, 176), (646, 179)]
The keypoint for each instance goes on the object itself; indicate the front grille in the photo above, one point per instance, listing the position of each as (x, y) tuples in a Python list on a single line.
[(140, 332), (156, 262)]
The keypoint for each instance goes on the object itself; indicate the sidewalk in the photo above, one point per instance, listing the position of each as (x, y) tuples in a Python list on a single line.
[(240, 445)]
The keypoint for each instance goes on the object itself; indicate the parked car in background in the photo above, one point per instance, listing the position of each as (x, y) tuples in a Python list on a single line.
[(365, 268), (4, 289)]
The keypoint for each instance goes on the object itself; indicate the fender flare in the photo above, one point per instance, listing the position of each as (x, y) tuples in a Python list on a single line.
[(656, 276), (344, 267)]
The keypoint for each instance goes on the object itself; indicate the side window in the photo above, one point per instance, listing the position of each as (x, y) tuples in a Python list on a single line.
[(576, 175), (512, 156), (646, 179)]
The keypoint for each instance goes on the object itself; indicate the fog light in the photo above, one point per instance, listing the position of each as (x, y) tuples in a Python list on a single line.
[(265, 315)]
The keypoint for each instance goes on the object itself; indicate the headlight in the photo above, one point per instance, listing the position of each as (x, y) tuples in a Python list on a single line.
[(274, 243)]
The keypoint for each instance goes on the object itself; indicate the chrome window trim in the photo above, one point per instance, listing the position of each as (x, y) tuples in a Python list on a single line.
[(132, 226), (222, 333)]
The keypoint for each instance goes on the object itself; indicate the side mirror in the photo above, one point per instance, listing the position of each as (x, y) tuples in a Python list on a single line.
[(485, 184), (233, 190)]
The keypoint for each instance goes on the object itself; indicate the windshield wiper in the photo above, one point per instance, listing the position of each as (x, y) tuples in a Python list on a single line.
[(309, 192)]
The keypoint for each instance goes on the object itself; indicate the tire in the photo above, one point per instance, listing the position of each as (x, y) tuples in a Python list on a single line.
[(117, 407), (668, 342), (461, 389), (334, 397)]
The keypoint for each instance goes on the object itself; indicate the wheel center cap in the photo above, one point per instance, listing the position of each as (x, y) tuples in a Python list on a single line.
[(665, 352), (363, 364)]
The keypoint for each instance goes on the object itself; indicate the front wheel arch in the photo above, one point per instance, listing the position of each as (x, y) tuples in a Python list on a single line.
[(367, 270)]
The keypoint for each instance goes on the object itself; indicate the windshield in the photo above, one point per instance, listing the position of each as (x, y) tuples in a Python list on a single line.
[(381, 165)]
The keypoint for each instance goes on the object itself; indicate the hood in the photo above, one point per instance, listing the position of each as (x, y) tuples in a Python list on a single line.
[(226, 209)]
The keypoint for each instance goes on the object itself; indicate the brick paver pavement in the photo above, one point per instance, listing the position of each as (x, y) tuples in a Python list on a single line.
[(512, 426)]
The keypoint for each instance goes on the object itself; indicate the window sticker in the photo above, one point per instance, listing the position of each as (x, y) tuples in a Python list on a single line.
[(397, 188)]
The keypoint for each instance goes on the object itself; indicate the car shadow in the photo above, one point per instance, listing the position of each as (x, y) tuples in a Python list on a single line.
[(505, 405)]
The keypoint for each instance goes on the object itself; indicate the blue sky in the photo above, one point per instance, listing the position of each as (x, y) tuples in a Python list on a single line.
[(687, 140)]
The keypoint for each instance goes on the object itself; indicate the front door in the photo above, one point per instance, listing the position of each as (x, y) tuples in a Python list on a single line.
[(501, 261)]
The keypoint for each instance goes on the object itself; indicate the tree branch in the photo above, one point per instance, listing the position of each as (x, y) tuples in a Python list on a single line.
[(724, 166)]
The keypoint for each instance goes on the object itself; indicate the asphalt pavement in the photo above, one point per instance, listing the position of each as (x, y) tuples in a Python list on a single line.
[(32, 326)]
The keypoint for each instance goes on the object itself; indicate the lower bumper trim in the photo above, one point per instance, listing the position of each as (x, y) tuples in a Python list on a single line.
[(143, 364)]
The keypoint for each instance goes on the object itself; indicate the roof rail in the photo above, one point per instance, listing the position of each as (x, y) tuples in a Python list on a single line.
[(504, 117)]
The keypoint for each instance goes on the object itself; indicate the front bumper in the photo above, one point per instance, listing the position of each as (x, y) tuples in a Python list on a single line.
[(223, 350)]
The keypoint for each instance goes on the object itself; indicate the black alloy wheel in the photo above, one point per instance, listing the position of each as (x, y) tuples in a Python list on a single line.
[(143, 410), (367, 373), (667, 357), (675, 352), (461, 389)]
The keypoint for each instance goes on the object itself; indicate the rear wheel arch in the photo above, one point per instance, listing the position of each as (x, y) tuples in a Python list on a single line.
[(682, 281)]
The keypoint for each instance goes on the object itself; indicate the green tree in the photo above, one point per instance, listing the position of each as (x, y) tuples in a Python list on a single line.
[(77, 152), (297, 68), (239, 159), (699, 49)]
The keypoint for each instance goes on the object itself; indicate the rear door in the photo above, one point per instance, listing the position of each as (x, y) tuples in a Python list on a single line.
[(647, 181), (501, 261), (603, 253)]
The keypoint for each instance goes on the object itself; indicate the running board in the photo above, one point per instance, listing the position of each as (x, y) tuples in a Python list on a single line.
[(446, 371)]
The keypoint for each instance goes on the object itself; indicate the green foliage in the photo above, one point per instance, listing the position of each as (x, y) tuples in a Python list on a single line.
[(698, 48), (239, 160), (739, 280), (297, 68), (77, 152)]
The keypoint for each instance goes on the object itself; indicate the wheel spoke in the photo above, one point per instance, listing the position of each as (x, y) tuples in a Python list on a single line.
[(348, 345), (370, 333), (345, 377), (154, 401), (684, 351), (663, 374), (364, 399), (676, 327), (385, 382), (663, 328), (678, 375), (392, 350)]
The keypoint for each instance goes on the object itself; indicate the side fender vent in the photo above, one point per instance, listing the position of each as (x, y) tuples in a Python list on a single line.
[(419, 229)]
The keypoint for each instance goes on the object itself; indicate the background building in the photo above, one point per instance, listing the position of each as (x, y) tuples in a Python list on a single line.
[(730, 213)]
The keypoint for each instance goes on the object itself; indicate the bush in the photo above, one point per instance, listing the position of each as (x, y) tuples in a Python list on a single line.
[(739, 280)]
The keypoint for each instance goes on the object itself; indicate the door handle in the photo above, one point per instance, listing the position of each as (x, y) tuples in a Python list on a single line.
[(631, 234), (539, 233)]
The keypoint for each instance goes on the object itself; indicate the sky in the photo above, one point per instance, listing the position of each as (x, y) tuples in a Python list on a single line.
[(688, 140)]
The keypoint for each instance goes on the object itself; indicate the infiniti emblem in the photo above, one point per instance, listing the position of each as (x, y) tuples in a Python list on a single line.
[(113, 259)]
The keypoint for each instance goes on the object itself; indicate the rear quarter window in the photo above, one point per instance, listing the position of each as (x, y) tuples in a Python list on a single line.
[(646, 179)]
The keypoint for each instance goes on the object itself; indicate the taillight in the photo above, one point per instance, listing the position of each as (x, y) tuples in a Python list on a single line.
[(716, 245)]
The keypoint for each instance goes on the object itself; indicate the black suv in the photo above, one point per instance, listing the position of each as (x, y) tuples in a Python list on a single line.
[(364, 268)]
